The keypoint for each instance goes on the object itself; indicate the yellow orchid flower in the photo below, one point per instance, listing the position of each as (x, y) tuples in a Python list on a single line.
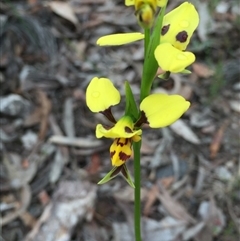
[(100, 96), (157, 110), (172, 59)]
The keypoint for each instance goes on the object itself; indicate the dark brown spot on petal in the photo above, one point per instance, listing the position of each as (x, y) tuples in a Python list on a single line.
[(112, 153), (165, 29), (127, 140), (123, 156), (119, 143), (128, 130), (182, 36)]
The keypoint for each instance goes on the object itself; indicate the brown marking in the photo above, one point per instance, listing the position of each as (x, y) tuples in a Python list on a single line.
[(123, 156), (165, 29), (127, 129), (119, 143), (112, 153), (182, 36)]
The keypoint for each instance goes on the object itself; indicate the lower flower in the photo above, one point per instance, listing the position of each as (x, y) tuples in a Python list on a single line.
[(156, 110)]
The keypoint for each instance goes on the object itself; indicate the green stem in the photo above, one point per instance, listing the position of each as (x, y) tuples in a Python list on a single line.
[(150, 64), (137, 200), (149, 70), (146, 40)]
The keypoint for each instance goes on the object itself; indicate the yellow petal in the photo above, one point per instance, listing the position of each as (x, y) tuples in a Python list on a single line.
[(179, 25), (101, 94), (172, 59), (119, 39), (129, 2), (120, 151), (122, 129), (162, 110)]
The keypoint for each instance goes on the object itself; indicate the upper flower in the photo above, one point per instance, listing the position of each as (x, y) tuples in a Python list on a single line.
[(178, 27)]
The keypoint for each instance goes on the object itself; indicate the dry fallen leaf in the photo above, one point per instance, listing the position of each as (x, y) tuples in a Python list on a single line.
[(167, 181), (212, 216), (33, 118), (217, 141), (94, 165), (46, 106), (202, 70), (151, 198), (75, 142), (173, 207), (25, 199), (206, 24), (127, 194), (180, 128), (68, 117), (72, 202), (168, 229), (146, 148), (64, 10), (18, 175), (60, 159), (235, 105), (186, 91), (28, 219), (43, 197)]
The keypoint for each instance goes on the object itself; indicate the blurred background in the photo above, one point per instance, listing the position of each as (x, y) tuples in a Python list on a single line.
[(50, 159)]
